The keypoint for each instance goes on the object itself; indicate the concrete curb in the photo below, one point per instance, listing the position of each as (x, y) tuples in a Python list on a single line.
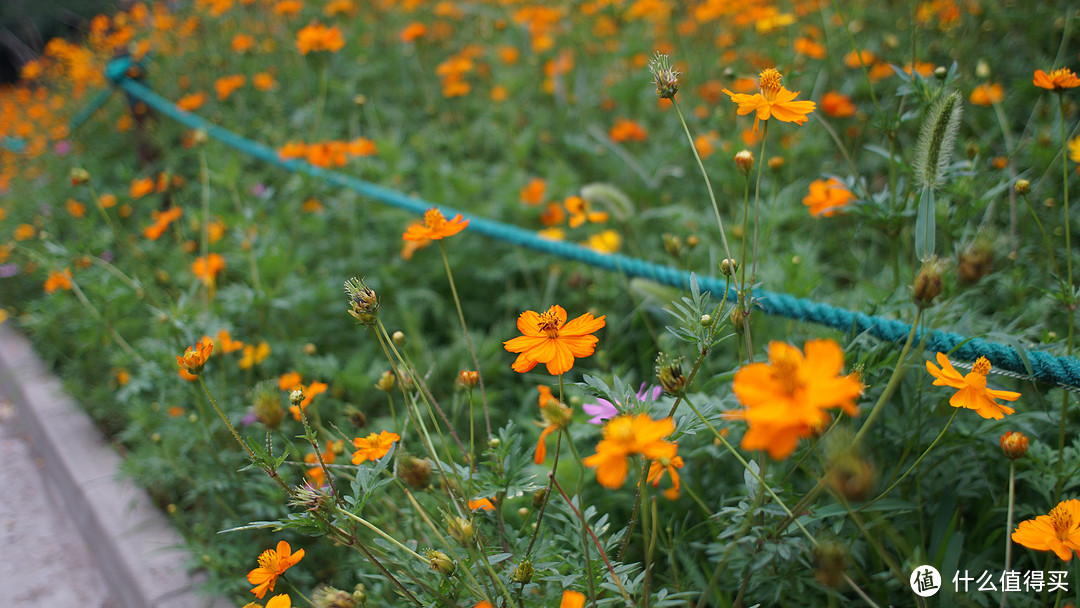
[(142, 558)]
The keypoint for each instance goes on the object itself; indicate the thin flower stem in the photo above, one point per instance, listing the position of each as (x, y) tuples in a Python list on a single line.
[(916, 463), (1009, 524), (97, 315), (547, 498), (708, 184), (894, 381), (309, 433), (1006, 134), (225, 419), (723, 441), (596, 541), (384, 535), (579, 494), (468, 340), (350, 540)]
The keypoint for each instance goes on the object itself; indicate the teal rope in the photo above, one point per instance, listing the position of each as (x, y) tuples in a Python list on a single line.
[(1064, 371), (89, 109)]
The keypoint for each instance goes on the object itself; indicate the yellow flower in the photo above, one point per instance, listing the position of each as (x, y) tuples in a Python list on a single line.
[(625, 436), (774, 101), (972, 392), (1074, 149), (1058, 532), (272, 564), (192, 361), (786, 398), (374, 446), (549, 339), (254, 355)]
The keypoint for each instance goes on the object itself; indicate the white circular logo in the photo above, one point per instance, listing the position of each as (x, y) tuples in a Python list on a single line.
[(925, 581)]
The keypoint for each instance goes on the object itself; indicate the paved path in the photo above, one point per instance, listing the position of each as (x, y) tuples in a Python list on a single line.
[(44, 561)]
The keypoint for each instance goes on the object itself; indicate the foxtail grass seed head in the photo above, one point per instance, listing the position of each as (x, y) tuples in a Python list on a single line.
[(441, 562), (1014, 444), (523, 573), (1023, 186), (669, 373), (460, 529), (928, 283), (728, 266), (744, 161), (386, 382), (666, 78), (415, 472), (363, 301), (329, 597), (267, 401), (936, 140)]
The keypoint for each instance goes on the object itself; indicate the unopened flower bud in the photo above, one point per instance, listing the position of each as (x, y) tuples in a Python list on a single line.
[(928, 283), (79, 176), (738, 317), (399, 338), (524, 572), (706, 320), (728, 267), (538, 498), (267, 401), (296, 397), (356, 417), (329, 597), (982, 70), (460, 529), (975, 261), (415, 472), (363, 301), (441, 562), (776, 163), (1023, 186), (359, 594), (940, 72), (494, 442), (468, 380), (744, 161), (672, 245), (386, 382), (523, 512), (669, 372), (692, 241), (1014, 444)]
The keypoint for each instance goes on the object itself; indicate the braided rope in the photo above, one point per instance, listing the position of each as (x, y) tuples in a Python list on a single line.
[(1062, 371)]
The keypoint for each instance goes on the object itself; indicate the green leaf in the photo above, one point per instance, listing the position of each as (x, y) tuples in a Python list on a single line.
[(925, 225)]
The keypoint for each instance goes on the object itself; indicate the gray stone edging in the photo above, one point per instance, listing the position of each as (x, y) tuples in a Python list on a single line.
[(142, 558)]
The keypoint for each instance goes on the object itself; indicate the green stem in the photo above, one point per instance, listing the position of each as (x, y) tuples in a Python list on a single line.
[(708, 184), (1009, 523), (912, 467), (894, 381), (1068, 296), (468, 340)]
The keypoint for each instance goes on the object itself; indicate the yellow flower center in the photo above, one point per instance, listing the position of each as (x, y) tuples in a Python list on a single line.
[(433, 219), (981, 367), (785, 372), (1061, 521), (268, 560), (770, 82), (620, 430), (549, 324)]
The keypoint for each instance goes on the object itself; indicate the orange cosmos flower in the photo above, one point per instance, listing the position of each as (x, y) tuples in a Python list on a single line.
[(374, 446), (786, 398), (774, 101), (572, 599), (226, 342), (192, 361), (207, 269), (555, 414), (549, 339), (826, 197), (272, 564), (987, 94), (1057, 80), (837, 105), (23, 232), (254, 354), (226, 85), (972, 393), (627, 130), (435, 227), (191, 102), (141, 187), (58, 279), (581, 211), (552, 215), (1058, 532), (318, 37), (412, 31), (279, 601), (625, 436), (533, 192), (484, 504), (656, 471), (264, 81), (289, 381)]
